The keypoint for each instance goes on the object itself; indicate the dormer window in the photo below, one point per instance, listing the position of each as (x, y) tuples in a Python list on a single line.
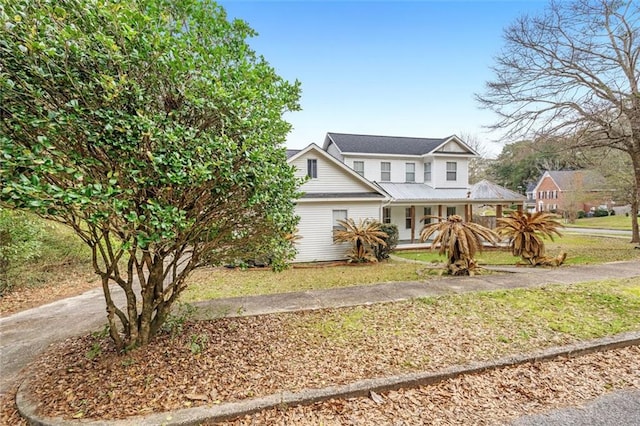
[(358, 167), (312, 168)]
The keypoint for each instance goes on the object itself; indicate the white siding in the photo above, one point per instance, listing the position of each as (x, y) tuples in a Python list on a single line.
[(331, 177), (316, 228), (439, 172), (372, 167), (452, 146), (333, 151)]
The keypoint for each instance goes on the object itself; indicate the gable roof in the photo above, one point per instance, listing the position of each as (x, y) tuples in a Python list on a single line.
[(375, 190), (292, 152), (395, 145), (567, 180)]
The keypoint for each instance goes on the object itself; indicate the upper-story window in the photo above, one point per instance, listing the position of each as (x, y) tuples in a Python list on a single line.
[(452, 171), (358, 167), (427, 172), (385, 171), (410, 173), (312, 168)]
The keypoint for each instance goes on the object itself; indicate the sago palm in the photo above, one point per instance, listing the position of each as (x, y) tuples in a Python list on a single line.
[(459, 241), (363, 236), (526, 231)]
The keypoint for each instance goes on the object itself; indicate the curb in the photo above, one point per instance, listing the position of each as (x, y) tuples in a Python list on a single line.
[(228, 411)]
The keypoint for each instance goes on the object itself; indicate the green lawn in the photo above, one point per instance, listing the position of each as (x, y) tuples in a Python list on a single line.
[(580, 249), (520, 316), (211, 283), (607, 222)]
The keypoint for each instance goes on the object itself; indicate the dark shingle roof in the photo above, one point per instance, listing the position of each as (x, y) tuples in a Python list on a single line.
[(292, 152), (384, 144)]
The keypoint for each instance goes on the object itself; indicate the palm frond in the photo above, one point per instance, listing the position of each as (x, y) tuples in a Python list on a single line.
[(526, 231), (459, 241), (363, 236)]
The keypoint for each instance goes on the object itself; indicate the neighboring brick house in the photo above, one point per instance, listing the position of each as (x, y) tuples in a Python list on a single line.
[(569, 191)]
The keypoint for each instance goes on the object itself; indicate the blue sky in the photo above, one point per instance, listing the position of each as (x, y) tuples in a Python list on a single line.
[(396, 68)]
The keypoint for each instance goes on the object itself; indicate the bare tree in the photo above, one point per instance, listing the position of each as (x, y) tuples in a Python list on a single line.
[(478, 166), (573, 72)]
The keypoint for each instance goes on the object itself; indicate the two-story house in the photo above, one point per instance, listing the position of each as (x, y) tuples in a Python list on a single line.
[(391, 179), (569, 191)]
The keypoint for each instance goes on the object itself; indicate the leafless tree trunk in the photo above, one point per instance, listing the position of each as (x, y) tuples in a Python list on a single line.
[(573, 72)]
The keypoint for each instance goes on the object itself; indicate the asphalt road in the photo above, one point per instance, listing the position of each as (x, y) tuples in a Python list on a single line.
[(616, 409)]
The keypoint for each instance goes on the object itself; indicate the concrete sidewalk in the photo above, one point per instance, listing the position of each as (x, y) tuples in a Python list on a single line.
[(505, 278)]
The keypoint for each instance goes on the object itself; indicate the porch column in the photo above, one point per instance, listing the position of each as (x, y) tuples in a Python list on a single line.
[(413, 224), (467, 213), (498, 210), (439, 210), (520, 207)]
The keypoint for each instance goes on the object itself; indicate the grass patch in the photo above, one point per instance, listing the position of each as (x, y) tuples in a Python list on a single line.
[(584, 249), (582, 311), (61, 254), (522, 318), (487, 257), (213, 283), (581, 250), (621, 222)]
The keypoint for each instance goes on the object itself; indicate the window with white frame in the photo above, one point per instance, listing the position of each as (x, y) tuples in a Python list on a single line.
[(410, 172), (339, 215), (385, 171), (358, 167), (427, 172), (312, 168), (386, 215), (452, 171)]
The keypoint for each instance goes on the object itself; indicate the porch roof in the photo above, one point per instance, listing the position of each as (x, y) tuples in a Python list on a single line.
[(484, 192), (489, 191), (421, 192)]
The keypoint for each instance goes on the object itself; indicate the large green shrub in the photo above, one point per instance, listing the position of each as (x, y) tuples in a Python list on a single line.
[(600, 213), (154, 131), (391, 241)]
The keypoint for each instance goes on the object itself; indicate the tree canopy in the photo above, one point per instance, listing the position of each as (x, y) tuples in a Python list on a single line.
[(573, 71), (153, 130)]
